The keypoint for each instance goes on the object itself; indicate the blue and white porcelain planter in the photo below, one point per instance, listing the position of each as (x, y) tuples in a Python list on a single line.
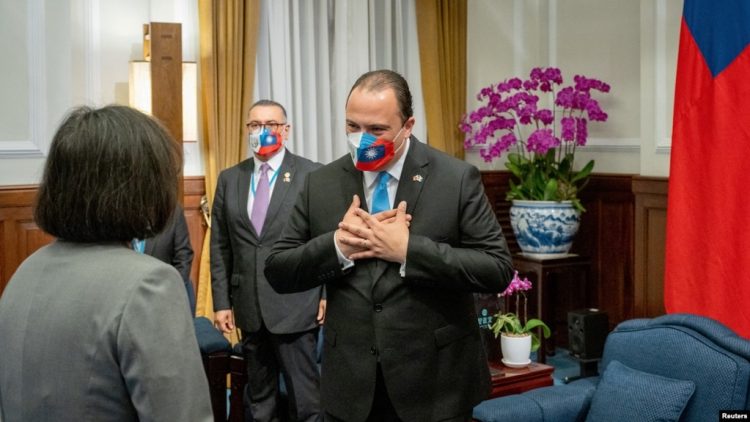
[(544, 229)]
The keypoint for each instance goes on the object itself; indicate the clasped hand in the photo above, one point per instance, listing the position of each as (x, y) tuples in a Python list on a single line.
[(384, 235)]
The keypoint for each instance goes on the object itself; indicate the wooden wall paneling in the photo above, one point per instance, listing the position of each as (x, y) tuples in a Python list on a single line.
[(163, 47), (495, 187), (650, 240), (606, 235), (20, 236)]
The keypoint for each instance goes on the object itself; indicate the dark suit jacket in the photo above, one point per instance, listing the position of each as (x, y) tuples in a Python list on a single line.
[(238, 254), (172, 246), (421, 328)]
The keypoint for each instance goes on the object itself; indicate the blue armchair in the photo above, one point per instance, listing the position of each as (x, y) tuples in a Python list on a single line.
[(674, 367)]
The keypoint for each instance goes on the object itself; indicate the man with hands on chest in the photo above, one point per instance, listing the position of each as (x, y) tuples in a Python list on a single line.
[(401, 235), (279, 332)]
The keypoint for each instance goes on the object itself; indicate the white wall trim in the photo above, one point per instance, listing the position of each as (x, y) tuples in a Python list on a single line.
[(38, 144), (614, 144)]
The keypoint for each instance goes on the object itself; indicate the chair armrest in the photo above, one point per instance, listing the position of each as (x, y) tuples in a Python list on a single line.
[(210, 340), (557, 403)]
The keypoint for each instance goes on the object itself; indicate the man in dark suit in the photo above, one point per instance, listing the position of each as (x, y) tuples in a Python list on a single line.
[(172, 246), (402, 340), (279, 332)]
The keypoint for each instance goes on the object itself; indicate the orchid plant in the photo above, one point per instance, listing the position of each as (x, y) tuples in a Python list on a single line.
[(545, 135), (510, 323)]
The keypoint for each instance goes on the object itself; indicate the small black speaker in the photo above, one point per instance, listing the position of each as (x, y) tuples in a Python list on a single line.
[(587, 330)]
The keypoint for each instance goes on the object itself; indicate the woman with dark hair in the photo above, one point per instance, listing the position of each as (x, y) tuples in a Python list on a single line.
[(89, 328)]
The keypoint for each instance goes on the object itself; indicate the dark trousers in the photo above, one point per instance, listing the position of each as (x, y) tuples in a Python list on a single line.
[(294, 356), (382, 407)]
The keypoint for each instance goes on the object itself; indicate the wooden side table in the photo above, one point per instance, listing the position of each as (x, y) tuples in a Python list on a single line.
[(545, 271), (506, 381)]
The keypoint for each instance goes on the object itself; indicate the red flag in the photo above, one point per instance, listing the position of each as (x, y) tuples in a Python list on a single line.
[(707, 269)]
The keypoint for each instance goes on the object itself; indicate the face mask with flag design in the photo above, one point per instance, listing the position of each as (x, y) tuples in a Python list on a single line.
[(264, 142), (370, 153)]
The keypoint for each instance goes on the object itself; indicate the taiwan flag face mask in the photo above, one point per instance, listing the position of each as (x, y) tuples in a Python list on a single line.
[(264, 142), (370, 153)]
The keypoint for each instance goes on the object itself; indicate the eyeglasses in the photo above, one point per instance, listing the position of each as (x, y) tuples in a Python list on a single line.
[(271, 126)]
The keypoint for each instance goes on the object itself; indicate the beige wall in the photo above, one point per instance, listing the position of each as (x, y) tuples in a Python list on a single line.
[(630, 44), (63, 53), (70, 52)]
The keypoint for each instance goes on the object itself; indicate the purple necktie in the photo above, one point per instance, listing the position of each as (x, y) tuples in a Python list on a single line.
[(260, 203)]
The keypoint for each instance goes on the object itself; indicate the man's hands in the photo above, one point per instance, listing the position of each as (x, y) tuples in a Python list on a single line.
[(351, 219), (384, 235), (224, 320), (321, 317)]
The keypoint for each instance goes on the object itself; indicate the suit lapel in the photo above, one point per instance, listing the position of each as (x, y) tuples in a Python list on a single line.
[(281, 187), (414, 175), (149, 246), (243, 193), (352, 184)]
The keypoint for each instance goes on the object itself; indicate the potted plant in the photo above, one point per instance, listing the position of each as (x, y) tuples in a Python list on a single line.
[(543, 122), (518, 337)]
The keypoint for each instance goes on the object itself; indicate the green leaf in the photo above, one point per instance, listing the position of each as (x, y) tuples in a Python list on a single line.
[(565, 166), (530, 328), (585, 172), (577, 204), (514, 168), (534, 323), (550, 190)]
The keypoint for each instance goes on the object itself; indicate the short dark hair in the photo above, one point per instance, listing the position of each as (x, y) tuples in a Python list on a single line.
[(378, 80), (267, 103), (111, 175)]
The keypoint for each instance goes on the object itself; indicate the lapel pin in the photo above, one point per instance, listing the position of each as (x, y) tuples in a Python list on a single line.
[(417, 178), (287, 177)]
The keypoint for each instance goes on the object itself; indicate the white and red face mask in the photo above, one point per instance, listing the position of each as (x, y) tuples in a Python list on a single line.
[(264, 142), (370, 153)]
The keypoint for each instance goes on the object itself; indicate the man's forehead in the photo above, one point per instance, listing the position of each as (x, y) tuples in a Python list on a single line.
[(372, 106), (266, 112)]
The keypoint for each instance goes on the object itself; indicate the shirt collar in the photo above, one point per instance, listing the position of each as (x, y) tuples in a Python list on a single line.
[(273, 162), (394, 169)]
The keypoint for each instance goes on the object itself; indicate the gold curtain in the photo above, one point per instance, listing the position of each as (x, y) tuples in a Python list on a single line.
[(441, 27), (228, 40)]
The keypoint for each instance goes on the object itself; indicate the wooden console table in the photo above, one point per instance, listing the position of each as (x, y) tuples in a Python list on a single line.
[(507, 381), (545, 271)]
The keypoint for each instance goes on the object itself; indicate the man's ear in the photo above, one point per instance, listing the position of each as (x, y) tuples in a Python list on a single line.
[(408, 125)]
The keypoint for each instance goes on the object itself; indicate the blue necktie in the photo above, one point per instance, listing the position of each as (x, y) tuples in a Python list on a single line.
[(380, 200), (139, 245)]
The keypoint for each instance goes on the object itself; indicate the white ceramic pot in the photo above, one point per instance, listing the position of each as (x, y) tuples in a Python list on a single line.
[(516, 350), (544, 229)]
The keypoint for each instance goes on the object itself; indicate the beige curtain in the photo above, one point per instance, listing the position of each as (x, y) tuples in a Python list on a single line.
[(441, 27), (228, 39)]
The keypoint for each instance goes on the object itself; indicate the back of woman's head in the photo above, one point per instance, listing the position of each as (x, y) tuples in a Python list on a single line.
[(111, 175)]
